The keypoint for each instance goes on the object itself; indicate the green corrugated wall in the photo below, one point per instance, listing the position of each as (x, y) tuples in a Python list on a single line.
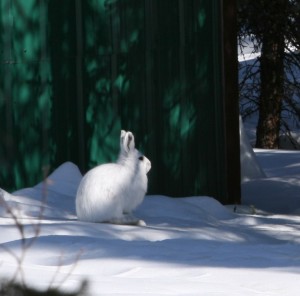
[(76, 72)]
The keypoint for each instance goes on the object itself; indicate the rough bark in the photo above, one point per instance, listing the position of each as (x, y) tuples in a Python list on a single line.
[(272, 78)]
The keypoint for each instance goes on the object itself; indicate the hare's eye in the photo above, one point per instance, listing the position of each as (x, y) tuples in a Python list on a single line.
[(141, 158)]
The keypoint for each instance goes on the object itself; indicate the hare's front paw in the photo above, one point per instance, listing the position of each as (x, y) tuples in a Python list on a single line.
[(141, 223)]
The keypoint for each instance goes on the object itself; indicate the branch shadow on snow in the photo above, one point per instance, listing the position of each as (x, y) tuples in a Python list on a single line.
[(181, 234), (278, 191), (279, 163)]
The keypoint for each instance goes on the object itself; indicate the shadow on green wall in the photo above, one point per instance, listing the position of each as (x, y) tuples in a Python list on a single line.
[(77, 72), (25, 103)]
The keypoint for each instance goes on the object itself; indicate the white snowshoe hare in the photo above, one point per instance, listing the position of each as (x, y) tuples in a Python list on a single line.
[(110, 192)]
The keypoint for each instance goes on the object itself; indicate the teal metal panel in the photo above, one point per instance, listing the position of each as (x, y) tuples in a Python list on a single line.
[(25, 93), (76, 72)]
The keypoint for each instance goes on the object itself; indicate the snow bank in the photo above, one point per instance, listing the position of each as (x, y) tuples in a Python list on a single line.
[(279, 191), (250, 168), (53, 198)]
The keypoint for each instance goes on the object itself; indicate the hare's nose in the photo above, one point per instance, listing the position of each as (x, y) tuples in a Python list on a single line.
[(148, 166)]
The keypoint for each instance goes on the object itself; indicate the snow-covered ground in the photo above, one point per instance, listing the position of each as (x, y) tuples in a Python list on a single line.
[(190, 246)]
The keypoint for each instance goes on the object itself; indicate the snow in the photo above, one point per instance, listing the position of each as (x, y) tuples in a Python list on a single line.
[(279, 191), (190, 246), (250, 167)]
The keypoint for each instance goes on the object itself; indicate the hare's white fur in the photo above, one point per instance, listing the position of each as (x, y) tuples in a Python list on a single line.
[(110, 192)]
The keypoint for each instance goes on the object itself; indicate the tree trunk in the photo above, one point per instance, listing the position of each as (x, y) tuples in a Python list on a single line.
[(272, 79)]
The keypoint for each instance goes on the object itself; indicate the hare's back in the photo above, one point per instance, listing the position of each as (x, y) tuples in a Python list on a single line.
[(104, 174)]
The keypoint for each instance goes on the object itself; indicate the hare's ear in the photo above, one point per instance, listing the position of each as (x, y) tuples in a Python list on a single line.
[(128, 142), (122, 136), (123, 133)]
